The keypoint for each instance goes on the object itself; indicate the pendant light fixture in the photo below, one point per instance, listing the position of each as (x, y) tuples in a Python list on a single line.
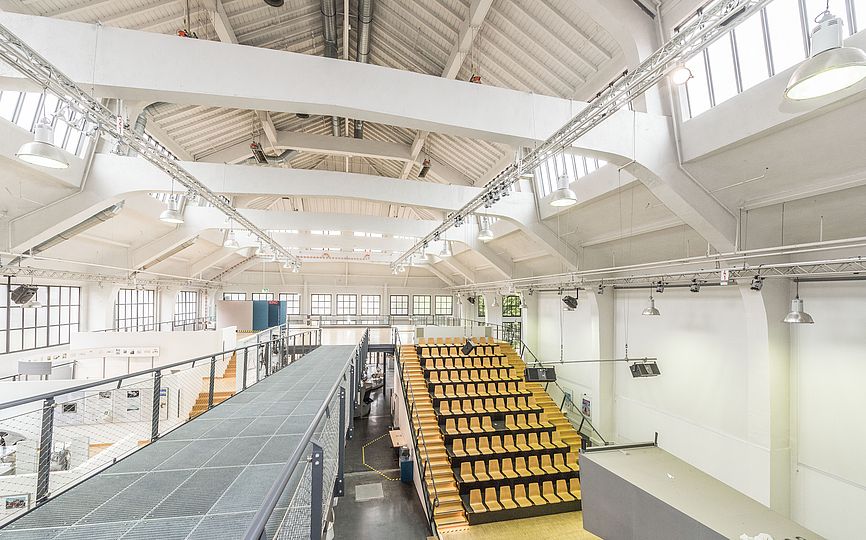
[(651, 310), (681, 75), (41, 150), (172, 214), (446, 250), (485, 234), (797, 315), (831, 67), (231, 242), (564, 195)]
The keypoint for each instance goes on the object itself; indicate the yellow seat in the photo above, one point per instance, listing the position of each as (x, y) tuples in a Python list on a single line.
[(505, 498), (520, 467), (439, 392), (457, 448), (509, 422), (520, 421), (490, 499), (474, 425), (574, 487), (496, 444), (508, 444), (489, 405), (463, 426), (484, 446), (547, 464), (520, 496), (472, 448), (562, 491), (493, 470), (487, 424), (444, 409), (532, 441), (450, 426), (535, 495), (466, 472), (549, 493), (508, 469), (520, 441), (475, 503), (571, 461), (533, 466), (481, 472), (559, 463)]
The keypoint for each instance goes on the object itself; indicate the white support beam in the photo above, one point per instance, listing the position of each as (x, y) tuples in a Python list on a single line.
[(231, 272), (268, 128), (469, 28), (221, 22), (458, 267), (209, 261), (445, 279), (414, 151), (146, 254)]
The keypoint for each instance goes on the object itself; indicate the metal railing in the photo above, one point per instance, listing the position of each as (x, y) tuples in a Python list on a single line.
[(63, 438), (187, 325), (429, 508), (26, 377), (307, 508)]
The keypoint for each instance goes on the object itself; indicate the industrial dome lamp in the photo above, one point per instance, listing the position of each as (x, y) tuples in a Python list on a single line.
[(564, 195), (831, 67), (274, 3), (172, 213), (651, 310), (41, 150), (797, 315), (485, 234)]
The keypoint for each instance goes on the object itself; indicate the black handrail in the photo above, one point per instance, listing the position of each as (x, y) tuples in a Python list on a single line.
[(422, 466), (263, 515), (120, 378)]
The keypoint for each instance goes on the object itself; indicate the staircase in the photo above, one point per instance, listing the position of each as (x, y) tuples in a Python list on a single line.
[(224, 388), (449, 515)]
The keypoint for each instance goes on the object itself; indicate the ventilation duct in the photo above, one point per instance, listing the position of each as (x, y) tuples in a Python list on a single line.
[(75, 230), (170, 253), (329, 22), (279, 159), (365, 19)]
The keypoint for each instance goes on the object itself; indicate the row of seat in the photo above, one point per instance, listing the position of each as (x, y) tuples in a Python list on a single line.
[(531, 442), (480, 390), (484, 471), (473, 376), (455, 352), (488, 406), (455, 341), (484, 424), (524, 496), (476, 362)]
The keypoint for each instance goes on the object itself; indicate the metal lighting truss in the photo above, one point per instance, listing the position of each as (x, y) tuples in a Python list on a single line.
[(849, 266), (709, 24), (30, 63), (144, 281)]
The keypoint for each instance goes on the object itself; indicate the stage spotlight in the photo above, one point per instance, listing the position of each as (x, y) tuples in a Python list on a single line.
[(757, 283), (467, 347), (695, 287), (570, 303), (648, 368)]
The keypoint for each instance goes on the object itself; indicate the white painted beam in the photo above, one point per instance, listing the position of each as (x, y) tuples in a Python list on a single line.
[(209, 261), (221, 23), (232, 271), (268, 128), (445, 279)]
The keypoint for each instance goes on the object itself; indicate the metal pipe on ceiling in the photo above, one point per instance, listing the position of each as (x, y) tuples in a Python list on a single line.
[(365, 20), (329, 31)]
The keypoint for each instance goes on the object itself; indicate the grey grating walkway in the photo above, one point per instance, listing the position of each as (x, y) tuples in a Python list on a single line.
[(203, 480)]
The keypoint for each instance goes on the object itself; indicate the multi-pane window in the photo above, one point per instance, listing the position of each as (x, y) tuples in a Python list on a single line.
[(482, 309), (421, 304), (186, 307), (320, 304), (263, 296), (24, 328), (371, 304), (400, 304), (768, 42), (511, 306), (235, 296), (511, 331), (570, 165), (26, 108), (293, 303), (444, 305), (135, 310), (347, 304)]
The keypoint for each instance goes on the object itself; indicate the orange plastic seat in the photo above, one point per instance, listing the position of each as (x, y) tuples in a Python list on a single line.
[(508, 469), (535, 495), (505, 498), (475, 502), (549, 493), (520, 497), (490, 499), (562, 491), (466, 472), (493, 470), (481, 472)]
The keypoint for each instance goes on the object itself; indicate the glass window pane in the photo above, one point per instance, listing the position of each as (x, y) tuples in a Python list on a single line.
[(14, 340), (29, 318), (697, 87), (786, 34), (16, 317), (42, 337), (2, 341), (859, 15), (751, 52), (29, 338), (71, 145), (722, 69), (27, 115)]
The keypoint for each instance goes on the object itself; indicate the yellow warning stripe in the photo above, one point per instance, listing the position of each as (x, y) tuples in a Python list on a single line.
[(364, 459)]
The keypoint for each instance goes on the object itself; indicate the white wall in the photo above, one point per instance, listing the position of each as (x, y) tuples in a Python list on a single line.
[(828, 402)]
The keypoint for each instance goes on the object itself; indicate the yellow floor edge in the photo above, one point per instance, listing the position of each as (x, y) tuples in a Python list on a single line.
[(565, 526)]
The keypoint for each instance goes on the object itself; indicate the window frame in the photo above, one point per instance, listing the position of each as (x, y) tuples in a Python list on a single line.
[(185, 304), (350, 300), (53, 322), (262, 297), (293, 302), (422, 305), (233, 297), (377, 303), (403, 299), (450, 304), (318, 301), (142, 303)]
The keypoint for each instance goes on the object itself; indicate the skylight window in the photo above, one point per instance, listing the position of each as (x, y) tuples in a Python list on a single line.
[(319, 232), (367, 234)]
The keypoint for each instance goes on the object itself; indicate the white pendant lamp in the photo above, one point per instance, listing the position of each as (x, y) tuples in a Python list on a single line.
[(831, 67), (41, 150), (797, 315), (172, 213), (485, 234), (446, 250), (564, 195), (651, 310), (681, 75), (231, 241)]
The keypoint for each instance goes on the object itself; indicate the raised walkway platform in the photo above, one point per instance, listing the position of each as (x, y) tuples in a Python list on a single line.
[(203, 480)]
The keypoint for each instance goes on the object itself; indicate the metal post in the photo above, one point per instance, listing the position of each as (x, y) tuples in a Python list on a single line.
[(211, 383), (154, 418), (244, 376), (351, 432), (45, 445), (341, 447), (316, 481)]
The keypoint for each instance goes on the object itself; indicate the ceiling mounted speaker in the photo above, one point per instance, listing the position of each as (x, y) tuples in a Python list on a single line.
[(274, 3)]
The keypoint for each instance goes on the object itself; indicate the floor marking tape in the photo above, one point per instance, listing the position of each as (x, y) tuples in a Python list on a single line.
[(364, 459)]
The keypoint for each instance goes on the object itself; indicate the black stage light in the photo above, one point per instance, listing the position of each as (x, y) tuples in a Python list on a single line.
[(570, 302), (467, 347), (645, 369)]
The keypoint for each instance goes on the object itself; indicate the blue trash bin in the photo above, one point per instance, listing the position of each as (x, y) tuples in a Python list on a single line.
[(406, 468)]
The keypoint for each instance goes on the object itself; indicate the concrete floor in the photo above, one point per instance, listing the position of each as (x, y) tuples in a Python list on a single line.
[(398, 514)]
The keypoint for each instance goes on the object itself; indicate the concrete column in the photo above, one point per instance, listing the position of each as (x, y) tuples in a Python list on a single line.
[(99, 300), (602, 309)]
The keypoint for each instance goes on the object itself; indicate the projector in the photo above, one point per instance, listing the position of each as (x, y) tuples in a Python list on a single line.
[(22, 294)]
